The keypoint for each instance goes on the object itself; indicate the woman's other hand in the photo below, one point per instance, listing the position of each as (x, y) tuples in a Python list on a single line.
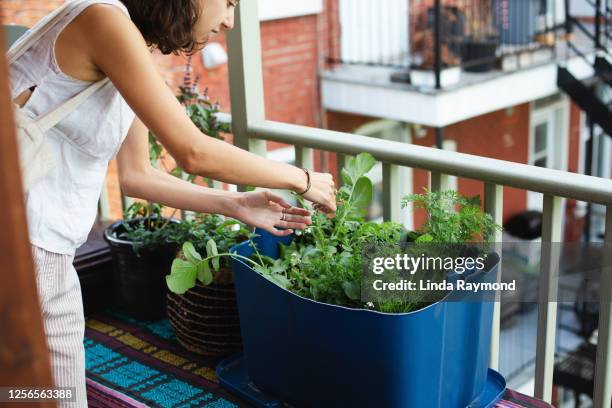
[(266, 210), (322, 192)]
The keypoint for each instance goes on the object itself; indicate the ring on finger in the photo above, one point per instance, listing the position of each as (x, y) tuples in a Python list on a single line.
[(283, 216)]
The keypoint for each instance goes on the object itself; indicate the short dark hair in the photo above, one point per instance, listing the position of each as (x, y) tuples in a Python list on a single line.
[(167, 24)]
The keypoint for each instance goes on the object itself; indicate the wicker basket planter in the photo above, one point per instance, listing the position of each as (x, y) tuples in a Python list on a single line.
[(205, 318)]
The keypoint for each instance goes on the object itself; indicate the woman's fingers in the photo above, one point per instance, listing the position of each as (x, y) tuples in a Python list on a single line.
[(297, 211), (277, 232), (291, 225), (293, 215), (293, 221), (277, 199)]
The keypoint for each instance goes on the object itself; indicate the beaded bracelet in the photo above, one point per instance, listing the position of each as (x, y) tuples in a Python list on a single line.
[(308, 181)]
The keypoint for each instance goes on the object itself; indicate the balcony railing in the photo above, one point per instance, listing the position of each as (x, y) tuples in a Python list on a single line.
[(251, 129), (439, 35)]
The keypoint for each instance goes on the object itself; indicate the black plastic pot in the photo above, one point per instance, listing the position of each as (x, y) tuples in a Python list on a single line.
[(139, 280), (479, 55)]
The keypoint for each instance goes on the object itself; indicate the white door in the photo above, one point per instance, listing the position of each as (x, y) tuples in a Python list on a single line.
[(547, 143), (541, 152)]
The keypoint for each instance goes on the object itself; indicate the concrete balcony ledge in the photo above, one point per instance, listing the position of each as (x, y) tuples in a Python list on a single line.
[(368, 90)]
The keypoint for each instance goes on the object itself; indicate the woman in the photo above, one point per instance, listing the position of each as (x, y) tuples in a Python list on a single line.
[(113, 39)]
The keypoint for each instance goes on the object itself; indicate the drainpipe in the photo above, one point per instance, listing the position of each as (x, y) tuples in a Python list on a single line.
[(437, 42)]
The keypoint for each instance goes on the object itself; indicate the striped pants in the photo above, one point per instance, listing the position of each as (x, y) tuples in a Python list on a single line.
[(59, 292)]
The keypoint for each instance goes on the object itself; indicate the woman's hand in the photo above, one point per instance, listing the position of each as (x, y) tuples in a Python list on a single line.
[(322, 192), (266, 210)]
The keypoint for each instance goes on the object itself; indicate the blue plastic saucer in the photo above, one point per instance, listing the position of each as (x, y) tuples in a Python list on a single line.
[(493, 391), (232, 374)]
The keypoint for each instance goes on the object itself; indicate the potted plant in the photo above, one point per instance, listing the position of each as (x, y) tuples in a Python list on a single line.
[(201, 299), (144, 244), (479, 46), (306, 327), (423, 45)]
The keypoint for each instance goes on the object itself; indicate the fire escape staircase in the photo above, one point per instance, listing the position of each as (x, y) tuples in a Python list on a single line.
[(585, 92)]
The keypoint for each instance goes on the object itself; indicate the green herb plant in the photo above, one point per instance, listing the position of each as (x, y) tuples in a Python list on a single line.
[(147, 228), (205, 252), (452, 218), (324, 261)]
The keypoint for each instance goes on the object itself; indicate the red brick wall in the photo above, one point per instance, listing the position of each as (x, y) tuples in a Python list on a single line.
[(501, 135), (291, 52)]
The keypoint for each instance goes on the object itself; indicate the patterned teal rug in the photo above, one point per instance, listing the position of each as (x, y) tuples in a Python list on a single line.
[(133, 363), (137, 364)]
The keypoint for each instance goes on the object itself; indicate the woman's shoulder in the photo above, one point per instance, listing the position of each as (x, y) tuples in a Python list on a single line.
[(93, 22), (94, 11), (82, 5), (90, 20), (104, 24)]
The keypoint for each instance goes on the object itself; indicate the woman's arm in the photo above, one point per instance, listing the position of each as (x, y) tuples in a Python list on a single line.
[(119, 50), (141, 180)]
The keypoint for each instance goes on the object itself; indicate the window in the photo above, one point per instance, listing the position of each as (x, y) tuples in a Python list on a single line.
[(274, 10), (543, 141)]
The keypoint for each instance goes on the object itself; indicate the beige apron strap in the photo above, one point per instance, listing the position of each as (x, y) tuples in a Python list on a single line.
[(40, 29), (53, 117)]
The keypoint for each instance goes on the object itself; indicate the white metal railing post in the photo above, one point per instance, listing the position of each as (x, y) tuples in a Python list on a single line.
[(304, 157), (391, 193), (246, 76), (547, 295), (493, 205), (439, 181), (602, 395)]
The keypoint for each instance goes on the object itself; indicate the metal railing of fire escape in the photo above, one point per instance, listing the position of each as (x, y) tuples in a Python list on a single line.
[(474, 35)]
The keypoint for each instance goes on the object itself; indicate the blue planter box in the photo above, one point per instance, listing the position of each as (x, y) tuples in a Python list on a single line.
[(311, 354)]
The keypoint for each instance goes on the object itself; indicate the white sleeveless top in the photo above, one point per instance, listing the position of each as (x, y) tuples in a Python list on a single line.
[(62, 207)]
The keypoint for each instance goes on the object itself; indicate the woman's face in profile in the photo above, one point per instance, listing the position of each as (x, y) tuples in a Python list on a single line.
[(216, 16)]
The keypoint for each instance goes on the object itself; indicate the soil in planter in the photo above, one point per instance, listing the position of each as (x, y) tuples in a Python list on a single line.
[(139, 279), (206, 320)]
